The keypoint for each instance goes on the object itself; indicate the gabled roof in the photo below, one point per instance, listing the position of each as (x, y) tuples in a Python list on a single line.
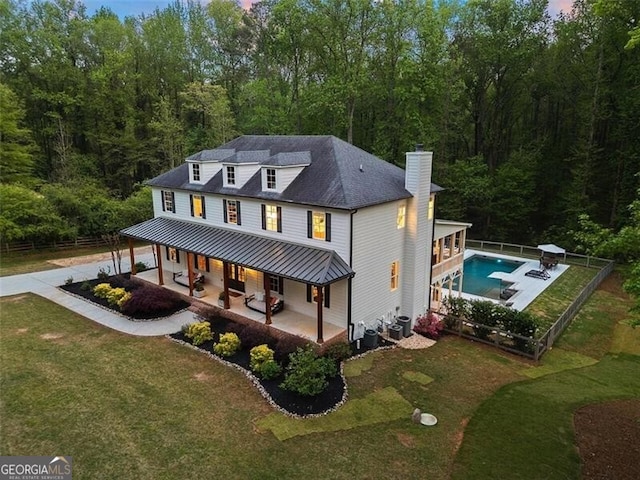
[(315, 266), (339, 175)]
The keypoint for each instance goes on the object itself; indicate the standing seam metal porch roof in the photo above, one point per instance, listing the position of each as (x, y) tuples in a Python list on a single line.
[(301, 263)]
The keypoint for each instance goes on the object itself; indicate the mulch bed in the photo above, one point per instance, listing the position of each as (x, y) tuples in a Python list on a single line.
[(290, 402), (608, 439), (79, 289)]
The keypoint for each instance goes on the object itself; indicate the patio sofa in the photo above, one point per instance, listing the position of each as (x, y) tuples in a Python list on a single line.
[(182, 278), (256, 303)]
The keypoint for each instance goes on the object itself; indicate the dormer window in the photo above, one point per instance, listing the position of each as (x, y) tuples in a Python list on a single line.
[(231, 175), (271, 178), (195, 171)]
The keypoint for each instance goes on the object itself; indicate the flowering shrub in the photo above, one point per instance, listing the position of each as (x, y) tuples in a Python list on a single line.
[(115, 295), (102, 290), (429, 325), (199, 332), (148, 300), (258, 355), (228, 345)]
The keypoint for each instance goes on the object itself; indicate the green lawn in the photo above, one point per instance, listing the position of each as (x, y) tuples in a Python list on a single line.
[(550, 304), (129, 407), (539, 413), (15, 263)]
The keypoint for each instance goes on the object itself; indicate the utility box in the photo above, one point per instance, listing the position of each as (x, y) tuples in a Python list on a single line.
[(370, 339), (395, 331), (405, 323)]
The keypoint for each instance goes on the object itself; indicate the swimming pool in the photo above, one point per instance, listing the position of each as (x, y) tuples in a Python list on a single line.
[(477, 269)]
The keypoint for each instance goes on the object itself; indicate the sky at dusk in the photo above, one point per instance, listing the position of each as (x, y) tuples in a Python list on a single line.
[(135, 7)]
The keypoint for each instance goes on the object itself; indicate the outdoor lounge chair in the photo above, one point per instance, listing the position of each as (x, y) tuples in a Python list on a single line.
[(183, 278), (543, 274), (259, 305), (507, 293)]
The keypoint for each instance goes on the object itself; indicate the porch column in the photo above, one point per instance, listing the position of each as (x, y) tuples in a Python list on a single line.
[(132, 257), (190, 270), (160, 272), (225, 284), (320, 299), (267, 297)]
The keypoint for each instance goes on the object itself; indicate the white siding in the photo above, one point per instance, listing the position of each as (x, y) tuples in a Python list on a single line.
[(377, 243), (284, 177), (244, 173)]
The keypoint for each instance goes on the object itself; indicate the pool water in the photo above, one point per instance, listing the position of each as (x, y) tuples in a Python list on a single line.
[(477, 269)]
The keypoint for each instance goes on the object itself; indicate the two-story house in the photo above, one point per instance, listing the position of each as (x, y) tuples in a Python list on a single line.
[(329, 229)]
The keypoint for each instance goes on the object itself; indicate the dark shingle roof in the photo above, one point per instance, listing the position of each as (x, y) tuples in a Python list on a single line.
[(301, 263), (339, 175)]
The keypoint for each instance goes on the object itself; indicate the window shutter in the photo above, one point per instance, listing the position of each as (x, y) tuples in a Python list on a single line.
[(173, 202), (264, 216), (163, 206), (195, 261), (238, 213), (327, 296), (191, 203), (204, 207), (281, 285), (327, 226), (177, 256), (224, 210), (166, 251), (309, 293), (309, 224), (279, 219)]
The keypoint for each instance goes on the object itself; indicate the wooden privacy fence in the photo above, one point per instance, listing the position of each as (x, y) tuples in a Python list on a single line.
[(79, 242), (528, 347)]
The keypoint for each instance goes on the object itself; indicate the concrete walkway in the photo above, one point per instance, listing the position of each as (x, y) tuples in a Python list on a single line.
[(45, 284)]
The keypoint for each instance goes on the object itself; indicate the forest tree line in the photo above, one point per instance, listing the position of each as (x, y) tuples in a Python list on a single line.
[(534, 122)]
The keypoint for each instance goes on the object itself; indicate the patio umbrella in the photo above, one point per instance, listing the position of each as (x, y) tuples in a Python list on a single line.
[(551, 248)]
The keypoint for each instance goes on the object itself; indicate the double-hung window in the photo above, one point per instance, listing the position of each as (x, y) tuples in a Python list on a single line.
[(271, 218), (168, 201), (231, 212), (198, 206), (395, 275), (319, 225), (271, 178), (231, 175), (195, 171)]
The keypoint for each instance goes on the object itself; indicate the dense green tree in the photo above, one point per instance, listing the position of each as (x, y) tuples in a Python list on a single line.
[(16, 144)]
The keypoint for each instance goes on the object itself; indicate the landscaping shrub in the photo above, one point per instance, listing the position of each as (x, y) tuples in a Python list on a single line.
[(102, 290), (85, 286), (457, 307), (115, 295), (255, 334), (483, 311), (307, 373), (258, 355), (522, 323), (148, 301), (129, 284), (429, 325), (228, 344), (236, 328), (339, 351), (286, 345), (141, 266), (103, 274), (269, 370), (199, 332), (68, 281)]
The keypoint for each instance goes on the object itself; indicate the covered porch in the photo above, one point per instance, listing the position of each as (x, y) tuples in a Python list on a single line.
[(288, 321), (315, 268)]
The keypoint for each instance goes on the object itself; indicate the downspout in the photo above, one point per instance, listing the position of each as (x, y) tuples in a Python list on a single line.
[(433, 234), (350, 326)]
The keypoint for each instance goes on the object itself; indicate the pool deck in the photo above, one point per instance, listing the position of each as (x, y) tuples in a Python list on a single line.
[(528, 288)]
